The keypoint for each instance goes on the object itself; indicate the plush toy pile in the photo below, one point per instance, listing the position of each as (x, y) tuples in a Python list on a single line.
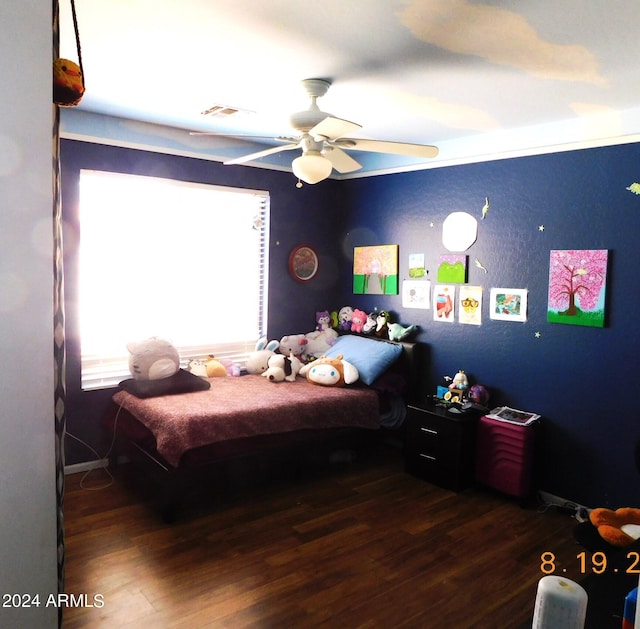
[(305, 354), (278, 361), (356, 321)]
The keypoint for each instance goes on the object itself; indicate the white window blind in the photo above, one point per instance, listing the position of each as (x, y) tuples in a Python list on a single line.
[(183, 261)]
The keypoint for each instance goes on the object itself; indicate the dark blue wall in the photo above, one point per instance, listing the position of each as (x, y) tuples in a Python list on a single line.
[(581, 380)]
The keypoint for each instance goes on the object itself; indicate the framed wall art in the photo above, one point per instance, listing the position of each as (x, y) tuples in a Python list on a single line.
[(452, 269), (416, 294), (444, 306), (303, 263), (577, 286), (470, 305), (375, 270), (508, 304)]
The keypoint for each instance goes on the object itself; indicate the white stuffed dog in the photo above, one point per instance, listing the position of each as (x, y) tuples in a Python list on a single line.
[(282, 367)]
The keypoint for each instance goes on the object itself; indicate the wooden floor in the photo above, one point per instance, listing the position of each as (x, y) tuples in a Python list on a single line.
[(347, 544)]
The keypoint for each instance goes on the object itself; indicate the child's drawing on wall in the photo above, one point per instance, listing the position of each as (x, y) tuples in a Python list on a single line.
[(443, 299)]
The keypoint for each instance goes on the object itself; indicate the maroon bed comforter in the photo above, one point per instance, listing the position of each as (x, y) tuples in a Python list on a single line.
[(246, 406)]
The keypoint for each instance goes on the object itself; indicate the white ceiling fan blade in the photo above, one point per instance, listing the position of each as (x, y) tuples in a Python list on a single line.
[(331, 128), (253, 156), (340, 160), (382, 146)]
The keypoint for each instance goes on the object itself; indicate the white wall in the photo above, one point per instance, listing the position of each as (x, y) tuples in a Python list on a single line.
[(27, 482)]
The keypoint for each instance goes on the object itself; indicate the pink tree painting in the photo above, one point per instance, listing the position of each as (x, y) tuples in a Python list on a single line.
[(577, 283)]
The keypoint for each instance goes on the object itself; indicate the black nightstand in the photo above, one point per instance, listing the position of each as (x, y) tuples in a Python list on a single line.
[(440, 446)]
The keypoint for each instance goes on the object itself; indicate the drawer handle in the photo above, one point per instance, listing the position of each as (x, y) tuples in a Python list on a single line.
[(429, 430), (427, 456)]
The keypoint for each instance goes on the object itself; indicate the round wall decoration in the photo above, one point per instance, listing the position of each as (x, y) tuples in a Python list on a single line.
[(459, 231), (303, 263)]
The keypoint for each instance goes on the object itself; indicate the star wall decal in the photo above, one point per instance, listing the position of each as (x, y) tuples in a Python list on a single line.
[(540, 228)]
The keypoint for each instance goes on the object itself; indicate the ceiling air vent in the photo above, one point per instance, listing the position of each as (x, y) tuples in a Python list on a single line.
[(224, 111)]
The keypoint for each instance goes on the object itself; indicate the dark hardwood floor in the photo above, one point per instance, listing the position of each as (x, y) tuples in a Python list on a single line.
[(348, 544)]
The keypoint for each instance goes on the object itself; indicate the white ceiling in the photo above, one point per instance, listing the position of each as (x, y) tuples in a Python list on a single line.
[(474, 78)]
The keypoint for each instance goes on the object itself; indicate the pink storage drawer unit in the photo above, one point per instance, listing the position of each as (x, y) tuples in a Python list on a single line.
[(504, 456)]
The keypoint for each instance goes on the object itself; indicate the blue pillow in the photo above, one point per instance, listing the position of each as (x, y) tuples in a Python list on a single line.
[(371, 358)]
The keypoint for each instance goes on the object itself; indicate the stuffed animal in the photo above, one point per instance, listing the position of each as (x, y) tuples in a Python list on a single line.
[(233, 369), (258, 360), (295, 344), (68, 83), (282, 368), (197, 367), (323, 320), (319, 343), (399, 333), (460, 381), (334, 319), (369, 326), (153, 359), (358, 319), (215, 368), (330, 372), (344, 318), (382, 320), (620, 527)]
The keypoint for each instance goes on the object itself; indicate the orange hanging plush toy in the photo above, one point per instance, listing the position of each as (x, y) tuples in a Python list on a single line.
[(68, 83)]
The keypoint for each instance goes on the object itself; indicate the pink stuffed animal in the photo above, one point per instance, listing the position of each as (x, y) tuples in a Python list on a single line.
[(358, 319)]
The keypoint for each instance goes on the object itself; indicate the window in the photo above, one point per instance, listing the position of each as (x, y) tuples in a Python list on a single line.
[(183, 261)]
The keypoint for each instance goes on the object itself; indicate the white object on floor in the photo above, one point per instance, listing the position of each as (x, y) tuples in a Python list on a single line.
[(560, 602)]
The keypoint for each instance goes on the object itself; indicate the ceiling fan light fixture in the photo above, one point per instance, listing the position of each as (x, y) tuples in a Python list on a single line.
[(311, 167)]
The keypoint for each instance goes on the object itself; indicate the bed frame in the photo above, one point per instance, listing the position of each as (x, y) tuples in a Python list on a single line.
[(209, 466)]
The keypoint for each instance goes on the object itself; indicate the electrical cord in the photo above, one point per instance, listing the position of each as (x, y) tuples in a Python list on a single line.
[(110, 480)]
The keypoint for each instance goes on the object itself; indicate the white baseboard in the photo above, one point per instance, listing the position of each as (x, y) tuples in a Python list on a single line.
[(86, 466)]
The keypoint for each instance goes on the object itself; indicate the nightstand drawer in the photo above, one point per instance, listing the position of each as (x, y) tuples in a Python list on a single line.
[(430, 433), (440, 448)]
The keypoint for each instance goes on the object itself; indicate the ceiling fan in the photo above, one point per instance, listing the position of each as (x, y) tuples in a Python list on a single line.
[(323, 141)]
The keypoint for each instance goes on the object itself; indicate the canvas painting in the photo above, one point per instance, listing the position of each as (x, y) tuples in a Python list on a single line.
[(375, 270), (452, 269), (577, 285)]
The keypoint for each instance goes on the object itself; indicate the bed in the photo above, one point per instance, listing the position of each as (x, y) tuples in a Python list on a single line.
[(178, 436)]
